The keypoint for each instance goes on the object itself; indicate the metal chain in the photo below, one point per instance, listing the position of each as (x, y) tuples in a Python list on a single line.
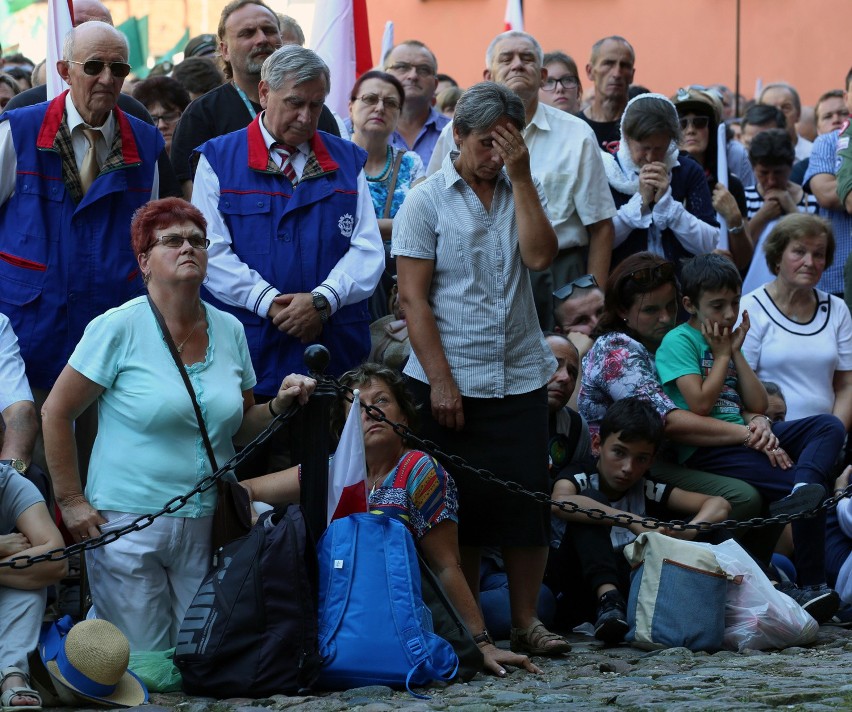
[(622, 520), (170, 507)]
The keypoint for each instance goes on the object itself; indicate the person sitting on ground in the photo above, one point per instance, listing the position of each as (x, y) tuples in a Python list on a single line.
[(664, 204), (405, 484), (702, 369), (590, 552), (771, 197), (26, 529), (639, 310)]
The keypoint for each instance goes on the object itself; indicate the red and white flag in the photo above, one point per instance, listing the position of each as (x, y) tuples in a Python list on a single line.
[(347, 491), (342, 38), (60, 16), (514, 15)]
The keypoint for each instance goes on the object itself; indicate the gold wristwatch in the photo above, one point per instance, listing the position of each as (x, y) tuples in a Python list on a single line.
[(17, 464)]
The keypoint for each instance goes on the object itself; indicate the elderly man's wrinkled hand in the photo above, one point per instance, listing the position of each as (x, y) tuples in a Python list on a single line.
[(298, 318)]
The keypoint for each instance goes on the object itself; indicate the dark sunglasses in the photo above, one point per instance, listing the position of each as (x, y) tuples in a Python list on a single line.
[(584, 282), (94, 67), (647, 276), (699, 122)]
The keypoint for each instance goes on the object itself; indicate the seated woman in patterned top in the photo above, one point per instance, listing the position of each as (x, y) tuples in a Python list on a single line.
[(408, 485)]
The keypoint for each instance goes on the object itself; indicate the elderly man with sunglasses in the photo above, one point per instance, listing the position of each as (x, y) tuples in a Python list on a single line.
[(74, 171)]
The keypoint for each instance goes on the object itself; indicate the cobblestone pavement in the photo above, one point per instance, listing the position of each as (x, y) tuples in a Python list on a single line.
[(592, 678)]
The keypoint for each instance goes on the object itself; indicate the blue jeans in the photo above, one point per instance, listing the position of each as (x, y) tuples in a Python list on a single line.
[(813, 444)]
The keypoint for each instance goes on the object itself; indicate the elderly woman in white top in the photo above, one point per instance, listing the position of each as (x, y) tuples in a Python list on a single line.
[(801, 337), (466, 240), (664, 204)]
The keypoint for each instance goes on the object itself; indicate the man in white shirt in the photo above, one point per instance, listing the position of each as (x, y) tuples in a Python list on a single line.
[(295, 249), (565, 157)]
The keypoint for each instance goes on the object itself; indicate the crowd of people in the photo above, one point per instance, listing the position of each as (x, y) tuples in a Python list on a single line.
[(568, 287)]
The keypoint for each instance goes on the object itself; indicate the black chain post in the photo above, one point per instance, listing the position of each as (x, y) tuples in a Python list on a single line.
[(312, 442)]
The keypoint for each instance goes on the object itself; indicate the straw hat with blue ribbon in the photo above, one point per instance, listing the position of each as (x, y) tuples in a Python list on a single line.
[(89, 661)]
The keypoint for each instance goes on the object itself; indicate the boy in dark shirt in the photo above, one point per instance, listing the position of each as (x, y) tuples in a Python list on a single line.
[(588, 571)]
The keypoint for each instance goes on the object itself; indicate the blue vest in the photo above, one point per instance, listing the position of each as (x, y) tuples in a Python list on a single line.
[(685, 178), (293, 238), (64, 263)]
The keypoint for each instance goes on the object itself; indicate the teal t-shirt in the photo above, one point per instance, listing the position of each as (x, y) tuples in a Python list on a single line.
[(149, 447), (684, 351)]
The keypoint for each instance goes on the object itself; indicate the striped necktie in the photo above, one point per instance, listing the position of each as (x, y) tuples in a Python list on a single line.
[(286, 151), (90, 169)]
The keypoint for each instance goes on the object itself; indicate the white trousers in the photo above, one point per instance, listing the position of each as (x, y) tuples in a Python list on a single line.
[(21, 614), (144, 582)]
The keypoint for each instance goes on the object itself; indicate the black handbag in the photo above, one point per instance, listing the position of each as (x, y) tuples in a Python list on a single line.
[(232, 518)]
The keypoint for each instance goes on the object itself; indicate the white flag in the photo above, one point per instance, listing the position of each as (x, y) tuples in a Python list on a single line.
[(347, 476), (514, 15), (58, 25)]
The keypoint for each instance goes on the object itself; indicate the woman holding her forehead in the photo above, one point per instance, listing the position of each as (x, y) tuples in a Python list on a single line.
[(149, 447), (466, 240)]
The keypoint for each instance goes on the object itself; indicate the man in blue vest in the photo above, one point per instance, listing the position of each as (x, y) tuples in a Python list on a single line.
[(295, 249), (74, 171)]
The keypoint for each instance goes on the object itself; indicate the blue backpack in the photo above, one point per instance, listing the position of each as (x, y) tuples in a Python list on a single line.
[(373, 626)]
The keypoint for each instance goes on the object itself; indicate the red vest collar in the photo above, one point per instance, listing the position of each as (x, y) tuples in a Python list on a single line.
[(53, 118), (258, 153)]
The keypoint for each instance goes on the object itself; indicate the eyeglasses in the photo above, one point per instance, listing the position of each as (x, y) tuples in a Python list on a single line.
[(165, 118), (94, 67), (566, 82), (423, 70), (174, 242), (584, 282), (388, 102), (698, 122), (647, 276)]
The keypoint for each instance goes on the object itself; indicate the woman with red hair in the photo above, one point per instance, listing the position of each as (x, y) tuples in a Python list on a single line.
[(149, 446)]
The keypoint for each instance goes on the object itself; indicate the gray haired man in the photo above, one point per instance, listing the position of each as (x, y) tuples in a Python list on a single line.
[(295, 249)]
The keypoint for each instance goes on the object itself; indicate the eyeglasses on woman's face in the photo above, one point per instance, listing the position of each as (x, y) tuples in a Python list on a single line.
[(389, 102), (697, 122), (566, 82), (175, 241)]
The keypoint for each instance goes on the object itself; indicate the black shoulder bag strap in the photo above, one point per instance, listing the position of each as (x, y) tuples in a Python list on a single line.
[(167, 337)]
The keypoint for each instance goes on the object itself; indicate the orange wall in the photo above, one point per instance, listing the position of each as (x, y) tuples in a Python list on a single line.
[(805, 42)]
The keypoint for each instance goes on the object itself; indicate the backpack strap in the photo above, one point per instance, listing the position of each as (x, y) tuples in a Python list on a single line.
[(341, 550)]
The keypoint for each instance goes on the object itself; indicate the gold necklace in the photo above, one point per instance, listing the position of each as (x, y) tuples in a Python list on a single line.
[(189, 335)]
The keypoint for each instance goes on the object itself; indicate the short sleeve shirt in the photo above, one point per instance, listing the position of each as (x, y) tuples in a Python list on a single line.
[(645, 498), (13, 380), (428, 497), (17, 494), (149, 447), (480, 293), (617, 367)]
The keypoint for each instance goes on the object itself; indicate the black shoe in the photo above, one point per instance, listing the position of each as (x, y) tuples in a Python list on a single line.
[(611, 625), (843, 617), (819, 601), (802, 499)]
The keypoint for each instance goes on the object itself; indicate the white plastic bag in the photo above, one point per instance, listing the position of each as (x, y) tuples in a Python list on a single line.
[(757, 616)]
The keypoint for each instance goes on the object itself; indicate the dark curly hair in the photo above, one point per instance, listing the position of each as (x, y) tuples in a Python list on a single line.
[(365, 374)]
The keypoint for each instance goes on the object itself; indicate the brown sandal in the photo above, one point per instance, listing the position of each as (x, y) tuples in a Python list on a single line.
[(537, 640)]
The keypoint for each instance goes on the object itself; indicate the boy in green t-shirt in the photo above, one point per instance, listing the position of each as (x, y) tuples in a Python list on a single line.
[(703, 370)]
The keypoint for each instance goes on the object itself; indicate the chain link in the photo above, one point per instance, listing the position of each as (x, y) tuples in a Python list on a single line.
[(173, 505), (622, 520)]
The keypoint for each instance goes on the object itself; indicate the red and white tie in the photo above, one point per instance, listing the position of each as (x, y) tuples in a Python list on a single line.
[(286, 151)]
